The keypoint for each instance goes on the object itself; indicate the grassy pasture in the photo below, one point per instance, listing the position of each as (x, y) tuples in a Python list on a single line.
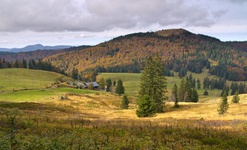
[(17, 78), (131, 83), (26, 85)]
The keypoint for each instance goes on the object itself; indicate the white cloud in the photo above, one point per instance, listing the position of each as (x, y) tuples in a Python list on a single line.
[(81, 21), (97, 15)]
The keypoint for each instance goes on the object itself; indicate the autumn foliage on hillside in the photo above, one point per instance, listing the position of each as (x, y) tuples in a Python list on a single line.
[(181, 51)]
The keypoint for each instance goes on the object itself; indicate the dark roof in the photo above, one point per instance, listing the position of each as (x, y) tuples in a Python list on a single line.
[(95, 84)]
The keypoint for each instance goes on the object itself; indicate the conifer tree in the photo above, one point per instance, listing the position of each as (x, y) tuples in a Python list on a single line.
[(74, 74), (225, 90), (175, 94), (194, 97), (198, 84), (153, 83), (188, 91), (146, 107), (235, 98), (181, 90), (108, 85), (223, 105), (124, 102), (205, 93), (120, 87)]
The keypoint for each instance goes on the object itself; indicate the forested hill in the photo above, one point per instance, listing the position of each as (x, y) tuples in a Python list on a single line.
[(181, 51)]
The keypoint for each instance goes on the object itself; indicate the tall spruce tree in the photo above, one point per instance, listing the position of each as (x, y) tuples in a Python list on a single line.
[(153, 83)]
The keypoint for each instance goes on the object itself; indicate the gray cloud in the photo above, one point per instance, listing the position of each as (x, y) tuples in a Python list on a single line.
[(235, 1), (99, 15)]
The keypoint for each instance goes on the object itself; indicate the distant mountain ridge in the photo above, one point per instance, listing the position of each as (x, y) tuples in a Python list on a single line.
[(37, 54), (34, 47)]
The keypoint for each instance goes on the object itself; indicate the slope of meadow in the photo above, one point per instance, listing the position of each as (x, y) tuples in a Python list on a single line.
[(18, 78), (30, 85)]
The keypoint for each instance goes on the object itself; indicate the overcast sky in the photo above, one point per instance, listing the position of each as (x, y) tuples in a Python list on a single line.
[(89, 22)]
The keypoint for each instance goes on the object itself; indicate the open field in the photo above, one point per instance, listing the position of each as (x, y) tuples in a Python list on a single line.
[(131, 81), (84, 119), (17, 78)]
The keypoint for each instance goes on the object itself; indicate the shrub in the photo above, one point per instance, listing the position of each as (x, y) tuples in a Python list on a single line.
[(205, 93)]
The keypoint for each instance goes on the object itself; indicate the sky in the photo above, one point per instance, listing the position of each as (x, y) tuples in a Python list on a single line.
[(90, 22)]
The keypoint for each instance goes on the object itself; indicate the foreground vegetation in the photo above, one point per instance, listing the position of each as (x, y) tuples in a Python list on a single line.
[(93, 121), (66, 118)]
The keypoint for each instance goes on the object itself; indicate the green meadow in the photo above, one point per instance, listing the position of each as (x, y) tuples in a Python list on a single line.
[(131, 83), (21, 85), (16, 78)]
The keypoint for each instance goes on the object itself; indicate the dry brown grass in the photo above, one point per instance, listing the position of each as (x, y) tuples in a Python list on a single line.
[(106, 107)]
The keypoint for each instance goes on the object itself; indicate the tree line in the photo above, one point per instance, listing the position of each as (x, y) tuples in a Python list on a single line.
[(30, 64)]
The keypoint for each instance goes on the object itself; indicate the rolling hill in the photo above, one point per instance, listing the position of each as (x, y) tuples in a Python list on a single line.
[(181, 51), (19, 79), (40, 52), (34, 47)]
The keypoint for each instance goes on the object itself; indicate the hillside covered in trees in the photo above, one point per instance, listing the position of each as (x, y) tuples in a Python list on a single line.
[(181, 51)]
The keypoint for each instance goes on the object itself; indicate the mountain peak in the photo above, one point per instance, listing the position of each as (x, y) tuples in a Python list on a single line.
[(169, 32)]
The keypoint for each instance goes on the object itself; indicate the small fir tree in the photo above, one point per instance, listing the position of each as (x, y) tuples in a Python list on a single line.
[(194, 96), (205, 93), (108, 85), (188, 91), (181, 91), (223, 105), (225, 90), (198, 84), (235, 98), (175, 94), (146, 107), (120, 87), (124, 103)]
